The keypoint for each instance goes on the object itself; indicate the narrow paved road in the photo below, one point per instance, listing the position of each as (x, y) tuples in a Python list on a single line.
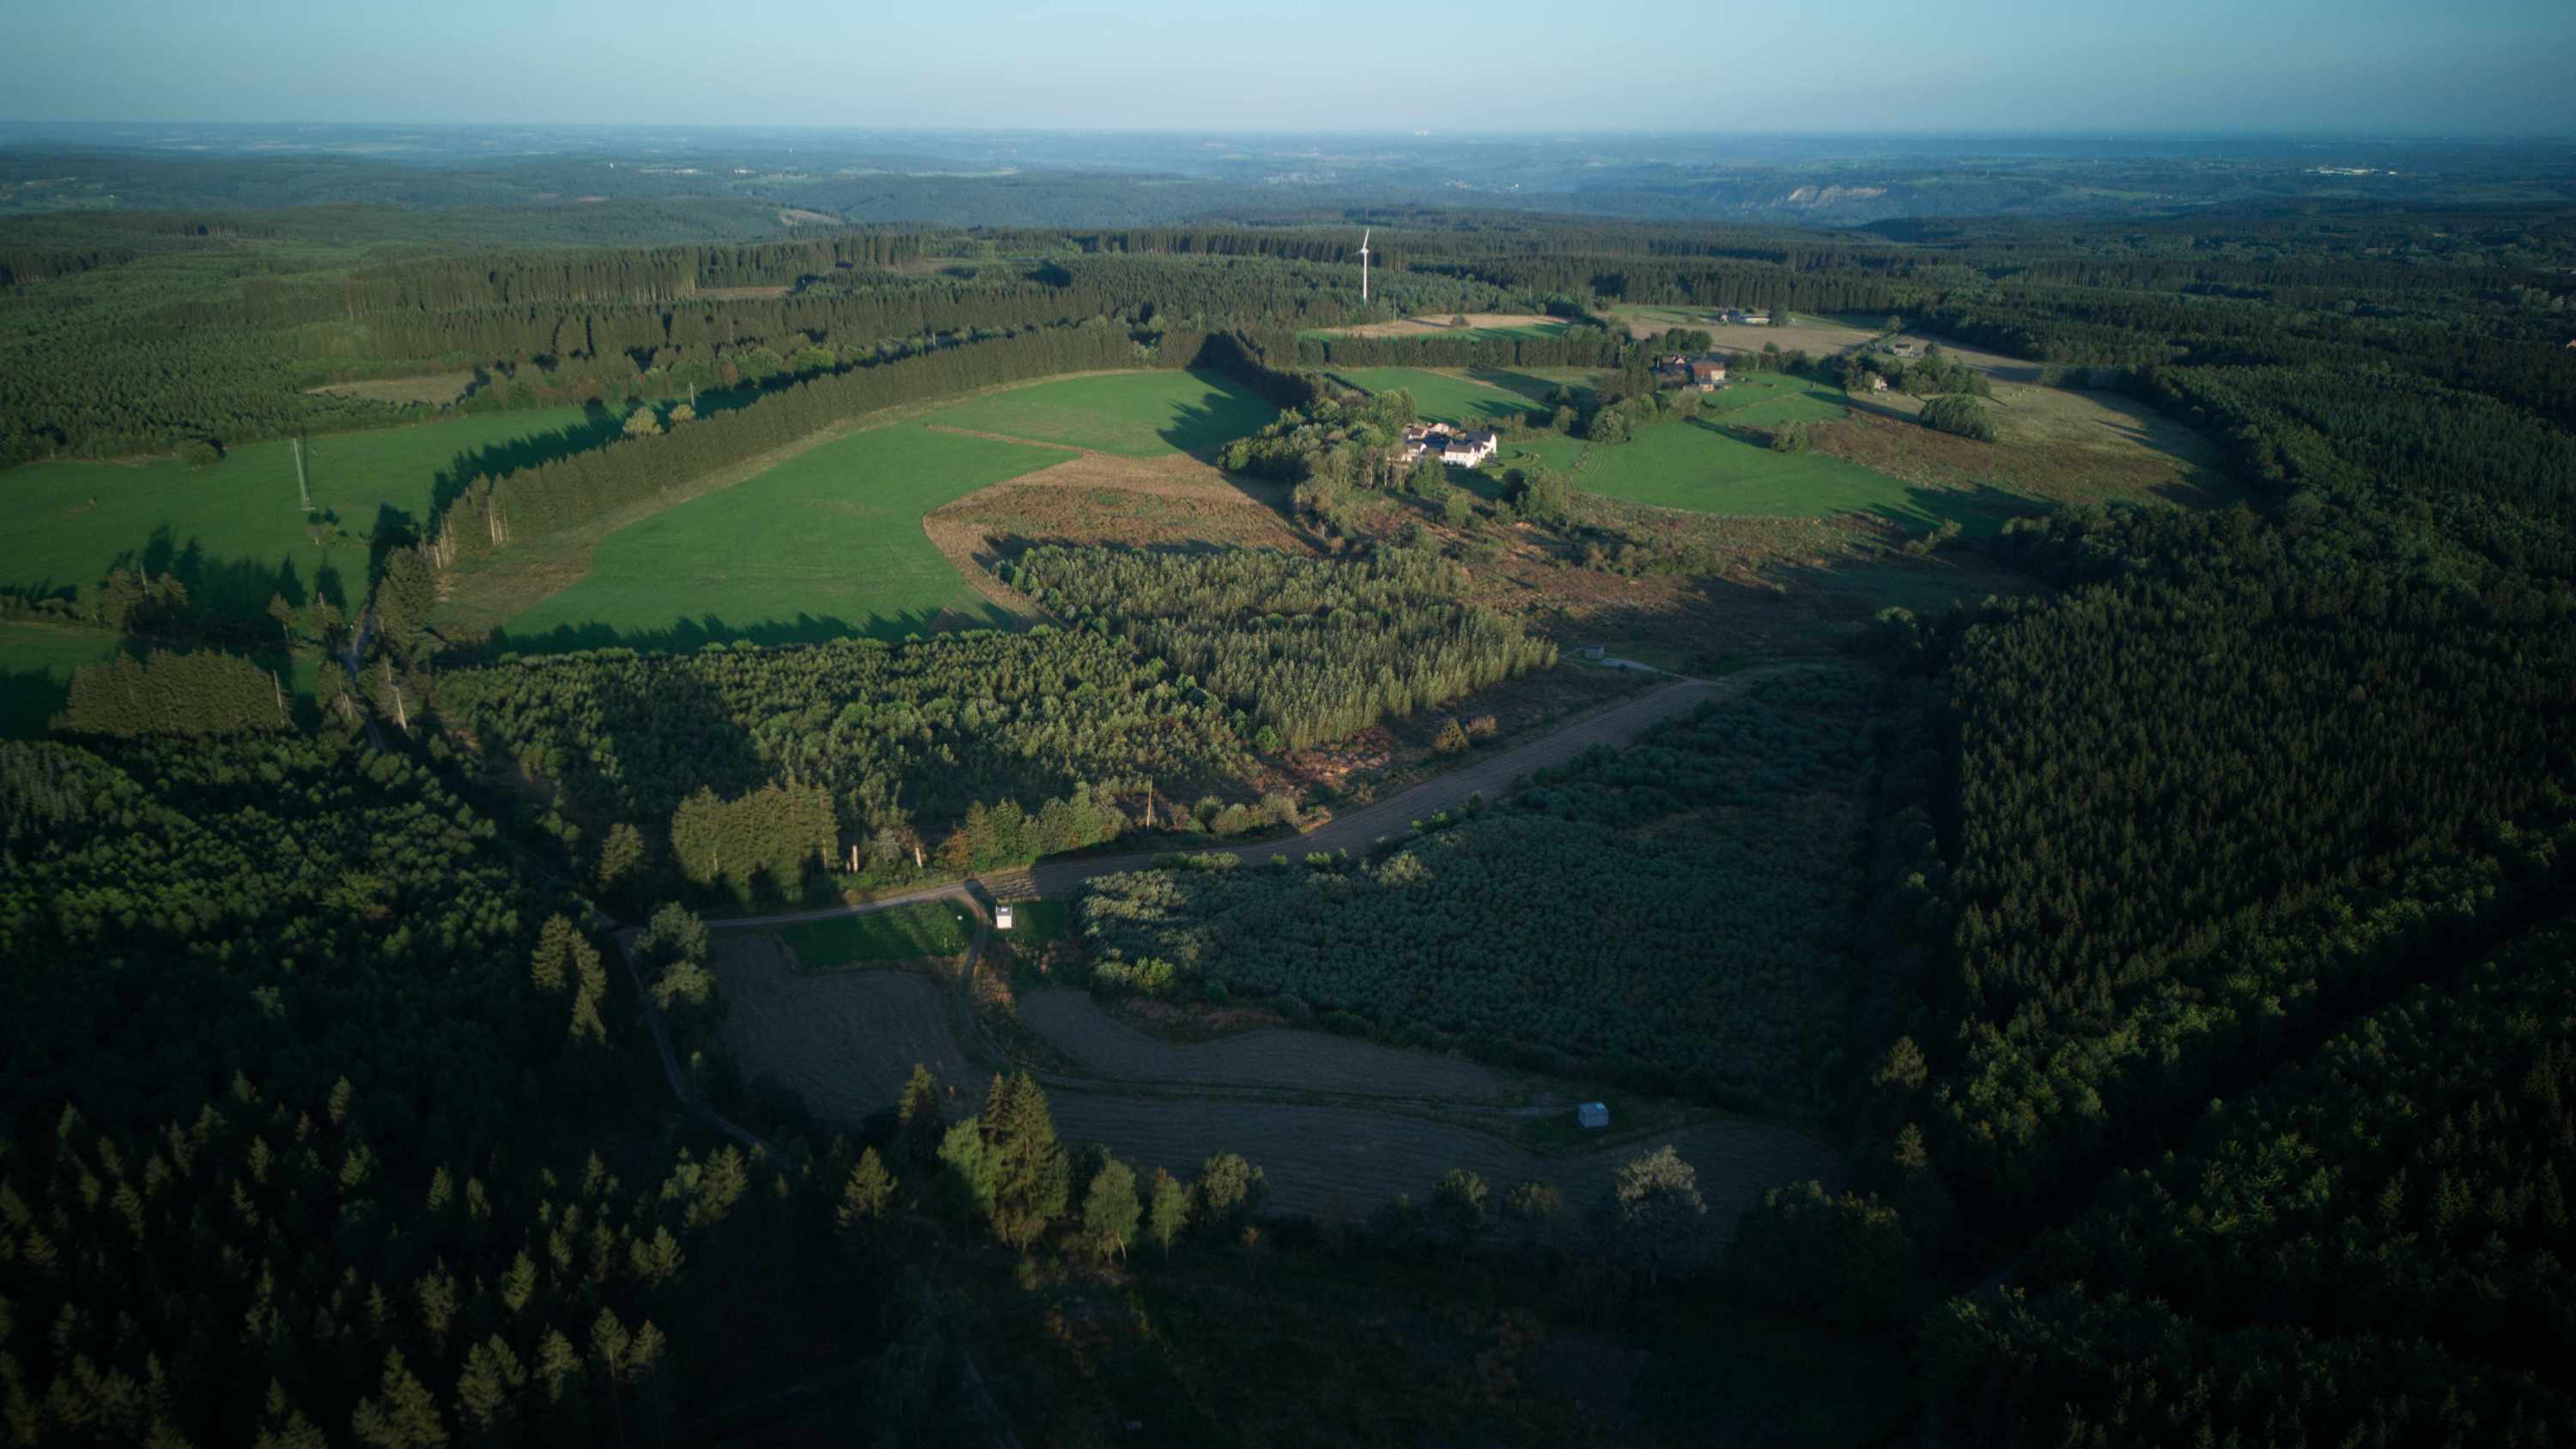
[(1354, 831)]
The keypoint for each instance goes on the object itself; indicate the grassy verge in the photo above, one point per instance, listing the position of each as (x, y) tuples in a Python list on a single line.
[(921, 931)]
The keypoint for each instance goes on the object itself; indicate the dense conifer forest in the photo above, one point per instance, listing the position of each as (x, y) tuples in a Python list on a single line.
[(904, 740), (2168, 934)]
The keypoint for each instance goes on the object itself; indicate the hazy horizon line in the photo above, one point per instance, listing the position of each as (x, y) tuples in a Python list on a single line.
[(2321, 133)]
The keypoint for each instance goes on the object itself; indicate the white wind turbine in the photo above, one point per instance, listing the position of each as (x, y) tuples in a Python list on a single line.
[(1364, 236)]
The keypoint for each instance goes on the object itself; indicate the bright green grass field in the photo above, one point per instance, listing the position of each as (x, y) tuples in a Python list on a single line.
[(823, 546), (1483, 395), (905, 933), (1697, 465), (236, 530), (1131, 414)]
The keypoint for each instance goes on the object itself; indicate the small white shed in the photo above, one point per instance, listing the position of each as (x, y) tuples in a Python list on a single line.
[(1592, 1116), (1002, 917)]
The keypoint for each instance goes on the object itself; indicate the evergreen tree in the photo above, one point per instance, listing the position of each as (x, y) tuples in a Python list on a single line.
[(920, 1123), (865, 1198)]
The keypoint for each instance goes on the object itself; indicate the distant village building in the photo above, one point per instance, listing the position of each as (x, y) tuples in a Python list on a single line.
[(1456, 446), (1592, 1116), (1877, 383), (1707, 374)]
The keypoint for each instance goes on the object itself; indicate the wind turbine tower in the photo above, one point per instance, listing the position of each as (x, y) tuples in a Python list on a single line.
[(1364, 236)]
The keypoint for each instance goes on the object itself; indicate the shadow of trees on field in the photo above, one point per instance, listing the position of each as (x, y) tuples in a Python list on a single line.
[(1981, 510), (1226, 411), (683, 635), (599, 425), (224, 593), (29, 698), (1536, 389)]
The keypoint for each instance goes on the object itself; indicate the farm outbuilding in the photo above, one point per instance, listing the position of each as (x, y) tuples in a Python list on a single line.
[(1592, 1116)]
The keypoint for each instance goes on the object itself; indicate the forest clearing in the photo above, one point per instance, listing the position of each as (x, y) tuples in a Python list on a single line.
[(1481, 326), (846, 1041)]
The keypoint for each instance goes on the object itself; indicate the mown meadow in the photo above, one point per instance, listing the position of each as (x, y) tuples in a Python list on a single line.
[(822, 546), (1130, 414)]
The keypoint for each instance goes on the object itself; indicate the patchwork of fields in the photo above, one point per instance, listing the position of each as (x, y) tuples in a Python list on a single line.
[(235, 532), (825, 545), (1704, 466), (1131, 414)]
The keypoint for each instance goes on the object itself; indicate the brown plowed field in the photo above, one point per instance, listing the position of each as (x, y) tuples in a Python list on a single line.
[(846, 1040), (1434, 326), (1271, 1057)]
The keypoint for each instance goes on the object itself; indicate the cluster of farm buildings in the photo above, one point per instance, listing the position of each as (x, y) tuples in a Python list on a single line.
[(1460, 446), (1707, 374)]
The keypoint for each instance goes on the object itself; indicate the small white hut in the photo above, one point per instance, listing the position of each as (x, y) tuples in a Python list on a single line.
[(1592, 1116), (1002, 916)]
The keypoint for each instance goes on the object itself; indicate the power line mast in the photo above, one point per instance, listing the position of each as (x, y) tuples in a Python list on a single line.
[(1364, 236)]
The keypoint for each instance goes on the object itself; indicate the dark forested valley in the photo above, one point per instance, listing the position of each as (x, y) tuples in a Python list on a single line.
[(2095, 972)]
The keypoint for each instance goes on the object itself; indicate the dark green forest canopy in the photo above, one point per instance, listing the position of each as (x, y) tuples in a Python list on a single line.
[(904, 736), (1311, 649), (299, 908), (2384, 1223)]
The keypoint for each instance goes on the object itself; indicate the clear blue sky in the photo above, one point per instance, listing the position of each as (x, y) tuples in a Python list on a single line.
[(2021, 66)]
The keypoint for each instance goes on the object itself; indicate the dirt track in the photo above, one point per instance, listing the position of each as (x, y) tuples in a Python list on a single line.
[(1490, 776)]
